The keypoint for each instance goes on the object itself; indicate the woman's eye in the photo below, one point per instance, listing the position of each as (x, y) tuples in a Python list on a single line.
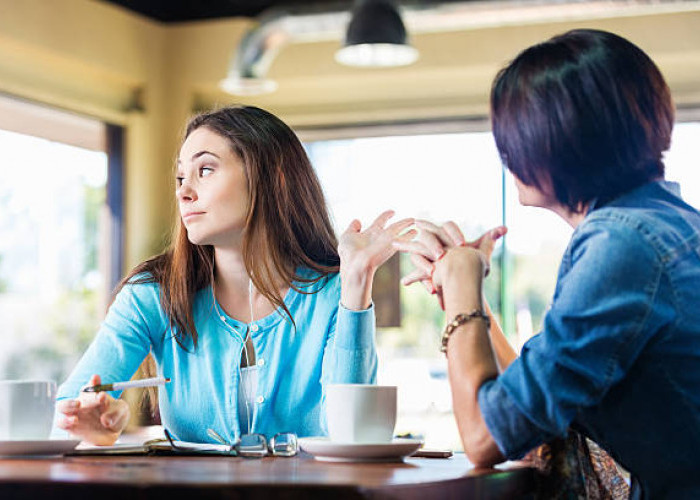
[(204, 171), (178, 181)]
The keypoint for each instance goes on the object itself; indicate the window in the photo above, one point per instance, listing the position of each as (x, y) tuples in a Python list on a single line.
[(456, 176), (55, 250), (438, 177)]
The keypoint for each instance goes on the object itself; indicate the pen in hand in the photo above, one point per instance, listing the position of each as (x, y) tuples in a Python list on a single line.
[(120, 386)]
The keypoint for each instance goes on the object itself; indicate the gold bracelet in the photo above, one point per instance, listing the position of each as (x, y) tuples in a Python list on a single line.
[(458, 321)]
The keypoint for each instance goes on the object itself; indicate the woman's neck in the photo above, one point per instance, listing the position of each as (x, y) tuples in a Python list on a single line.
[(232, 286), (571, 218), (230, 273)]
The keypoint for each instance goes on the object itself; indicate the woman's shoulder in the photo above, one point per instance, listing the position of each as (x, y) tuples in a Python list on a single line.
[(311, 281), (614, 242), (140, 290), (637, 232)]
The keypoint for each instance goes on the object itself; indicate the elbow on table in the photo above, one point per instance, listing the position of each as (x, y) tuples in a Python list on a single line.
[(482, 451)]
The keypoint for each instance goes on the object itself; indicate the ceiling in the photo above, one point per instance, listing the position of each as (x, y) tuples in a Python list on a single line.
[(172, 11)]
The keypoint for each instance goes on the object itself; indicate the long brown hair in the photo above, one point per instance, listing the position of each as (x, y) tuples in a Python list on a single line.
[(287, 225)]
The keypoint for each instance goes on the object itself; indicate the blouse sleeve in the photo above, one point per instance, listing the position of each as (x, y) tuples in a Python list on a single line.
[(132, 325), (350, 355), (600, 320)]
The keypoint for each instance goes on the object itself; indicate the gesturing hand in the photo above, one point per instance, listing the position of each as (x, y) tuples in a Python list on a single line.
[(438, 248), (362, 252), (97, 418)]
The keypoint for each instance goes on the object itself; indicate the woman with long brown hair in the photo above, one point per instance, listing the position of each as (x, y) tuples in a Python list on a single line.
[(254, 308)]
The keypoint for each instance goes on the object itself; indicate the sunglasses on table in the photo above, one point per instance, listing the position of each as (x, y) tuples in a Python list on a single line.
[(282, 444)]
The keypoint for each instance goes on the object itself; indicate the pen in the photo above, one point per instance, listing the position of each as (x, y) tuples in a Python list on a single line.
[(120, 386)]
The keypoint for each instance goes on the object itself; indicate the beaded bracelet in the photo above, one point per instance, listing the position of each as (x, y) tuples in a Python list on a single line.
[(459, 320)]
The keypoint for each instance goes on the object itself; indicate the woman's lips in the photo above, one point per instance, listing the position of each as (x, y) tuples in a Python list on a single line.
[(191, 215)]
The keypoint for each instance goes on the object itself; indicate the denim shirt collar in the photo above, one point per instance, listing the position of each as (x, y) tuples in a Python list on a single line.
[(673, 187)]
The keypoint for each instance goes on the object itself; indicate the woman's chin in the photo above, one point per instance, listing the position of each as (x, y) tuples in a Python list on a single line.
[(196, 239)]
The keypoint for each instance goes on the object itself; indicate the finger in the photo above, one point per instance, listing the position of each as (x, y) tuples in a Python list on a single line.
[(109, 421), (423, 264), (413, 247), (67, 423), (432, 243), (493, 234), (354, 227), (428, 284), (382, 219), (454, 232), (101, 401), (439, 232), (498, 232), (488, 241), (114, 418), (94, 380), (68, 406), (399, 226), (407, 236), (121, 420), (415, 276)]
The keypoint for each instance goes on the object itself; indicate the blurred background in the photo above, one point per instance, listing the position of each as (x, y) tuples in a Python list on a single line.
[(94, 96)]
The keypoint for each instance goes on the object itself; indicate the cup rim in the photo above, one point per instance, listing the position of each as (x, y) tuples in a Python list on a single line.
[(373, 386), (27, 381)]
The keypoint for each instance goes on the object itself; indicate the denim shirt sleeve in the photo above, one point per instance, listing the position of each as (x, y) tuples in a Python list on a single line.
[(594, 331)]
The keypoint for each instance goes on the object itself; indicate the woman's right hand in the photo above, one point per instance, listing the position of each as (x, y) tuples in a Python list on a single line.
[(440, 247), (96, 418)]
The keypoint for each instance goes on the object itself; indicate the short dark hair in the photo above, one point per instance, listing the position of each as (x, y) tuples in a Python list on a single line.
[(586, 110)]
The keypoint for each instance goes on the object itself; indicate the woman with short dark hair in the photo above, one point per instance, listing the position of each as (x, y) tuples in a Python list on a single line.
[(582, 121)]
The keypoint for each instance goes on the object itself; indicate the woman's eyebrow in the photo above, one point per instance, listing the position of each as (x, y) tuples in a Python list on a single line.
[(200, 153)]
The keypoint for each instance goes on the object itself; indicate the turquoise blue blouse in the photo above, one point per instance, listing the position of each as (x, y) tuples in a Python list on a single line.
[(330, 344)]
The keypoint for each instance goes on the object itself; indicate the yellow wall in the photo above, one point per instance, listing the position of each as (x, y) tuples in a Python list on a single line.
[(100, 60)]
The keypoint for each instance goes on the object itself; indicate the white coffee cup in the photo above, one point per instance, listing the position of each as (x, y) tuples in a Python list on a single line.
[(360, 413), (26, 409)]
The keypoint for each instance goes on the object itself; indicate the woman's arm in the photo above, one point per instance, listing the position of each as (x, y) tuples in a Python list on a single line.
[(121, 344), (454, 269), (505, 354), (471, 359)]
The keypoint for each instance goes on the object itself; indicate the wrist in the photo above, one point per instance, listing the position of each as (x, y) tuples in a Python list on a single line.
[(356, 287)]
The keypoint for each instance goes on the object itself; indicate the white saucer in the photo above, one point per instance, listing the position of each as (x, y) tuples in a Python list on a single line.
[(326, 451), (40, 447)]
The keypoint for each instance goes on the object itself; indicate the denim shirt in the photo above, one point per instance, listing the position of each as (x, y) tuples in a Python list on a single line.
[(619, 355), (330, 344)]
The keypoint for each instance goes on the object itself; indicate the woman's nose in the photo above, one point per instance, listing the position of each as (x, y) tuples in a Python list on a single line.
[(185, 192)]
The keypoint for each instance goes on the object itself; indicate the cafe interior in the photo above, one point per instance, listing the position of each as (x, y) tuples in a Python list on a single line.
[(94, 96)]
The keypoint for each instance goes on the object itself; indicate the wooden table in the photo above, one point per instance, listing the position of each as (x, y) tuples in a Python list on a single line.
[(135, 478)]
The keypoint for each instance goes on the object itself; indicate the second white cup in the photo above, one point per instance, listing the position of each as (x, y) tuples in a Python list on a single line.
[(26, 409), (360, 413)]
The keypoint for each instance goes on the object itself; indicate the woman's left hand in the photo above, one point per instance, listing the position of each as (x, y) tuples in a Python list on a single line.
[(362, 252), (442, 251)]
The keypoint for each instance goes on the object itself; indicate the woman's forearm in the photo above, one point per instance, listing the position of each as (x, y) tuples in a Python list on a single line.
[(471, 362), (505, 354)]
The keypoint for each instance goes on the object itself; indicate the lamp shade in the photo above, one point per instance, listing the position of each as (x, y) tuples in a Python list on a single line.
[(376, 36)]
